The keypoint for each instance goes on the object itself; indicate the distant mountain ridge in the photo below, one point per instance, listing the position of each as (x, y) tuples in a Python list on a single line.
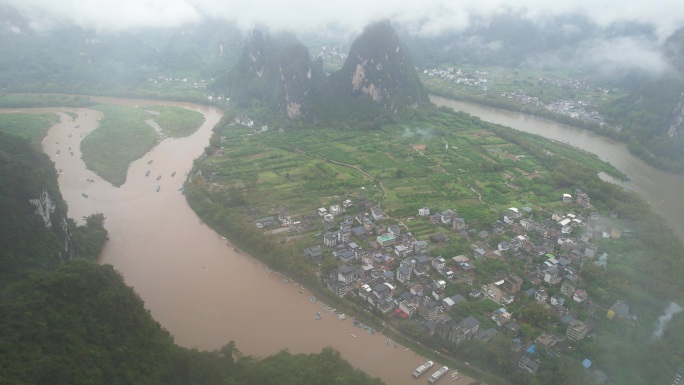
[(279, 72)]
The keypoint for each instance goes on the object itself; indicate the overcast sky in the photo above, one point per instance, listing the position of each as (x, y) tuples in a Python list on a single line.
[(424, 16)]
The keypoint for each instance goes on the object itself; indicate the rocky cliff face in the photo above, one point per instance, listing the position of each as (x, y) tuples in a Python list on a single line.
[(674, 51), (677, 118), (278, 71), (34, 229), (379, 67), (47, 210), (275, 70)]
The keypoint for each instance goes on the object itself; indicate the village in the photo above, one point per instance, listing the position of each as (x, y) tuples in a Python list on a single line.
[(397, 278), (479, 80)]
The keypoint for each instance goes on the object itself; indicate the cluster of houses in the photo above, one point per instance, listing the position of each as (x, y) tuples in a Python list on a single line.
[(578, 109), (394, 275), (476, 79)]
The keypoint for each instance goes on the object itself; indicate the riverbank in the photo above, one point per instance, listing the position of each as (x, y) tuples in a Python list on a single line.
[(634, 147), (191, 281), (659, 188)]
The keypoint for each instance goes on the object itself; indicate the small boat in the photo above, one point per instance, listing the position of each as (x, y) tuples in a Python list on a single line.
[(173, 173), (158, 188), (147, 173), (150, 162), (158, 177), (84, 195), (353, 335)]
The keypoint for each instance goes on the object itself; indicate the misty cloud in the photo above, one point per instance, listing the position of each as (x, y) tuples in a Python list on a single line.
[(621, 55), (429, 17), (609, 57), (419, 132), (664, 319)]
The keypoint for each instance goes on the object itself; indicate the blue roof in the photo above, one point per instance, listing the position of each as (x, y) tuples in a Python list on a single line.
[(586, 363), (531, 349)]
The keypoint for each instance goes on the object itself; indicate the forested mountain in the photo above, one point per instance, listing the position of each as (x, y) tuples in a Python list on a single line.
[(64, 319), (380, 68), (34, 227), (70, 59), (652, 115), (275, 70)]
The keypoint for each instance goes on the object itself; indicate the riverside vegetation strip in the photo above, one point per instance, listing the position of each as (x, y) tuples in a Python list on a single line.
[(28, 126), (68, 320), (302, 169), (124, 136)]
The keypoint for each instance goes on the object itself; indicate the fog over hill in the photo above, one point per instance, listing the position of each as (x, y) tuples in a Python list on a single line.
[(111, 47), (529, 32)]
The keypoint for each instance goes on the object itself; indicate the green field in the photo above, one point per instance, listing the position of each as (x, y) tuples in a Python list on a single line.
[(43, 100), (446, 161), (124, 136), (548, 86), (32, 127), (176, 122)]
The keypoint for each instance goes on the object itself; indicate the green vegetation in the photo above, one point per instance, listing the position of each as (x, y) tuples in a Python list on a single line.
[(176, 122), (67, 320), (479, 170), (463, 160), (26, 174), (546, 85), (80, 324), (43, 100), (124, 136), (631, 117), (28, 126)]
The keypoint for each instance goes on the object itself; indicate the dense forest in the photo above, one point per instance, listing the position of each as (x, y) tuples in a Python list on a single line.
[(64, 319)]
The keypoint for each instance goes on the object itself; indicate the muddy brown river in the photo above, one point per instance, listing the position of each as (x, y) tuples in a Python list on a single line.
[(205, 294), (194, 285)]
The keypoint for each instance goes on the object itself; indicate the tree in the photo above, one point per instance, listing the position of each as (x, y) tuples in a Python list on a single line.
[(535, 313)]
